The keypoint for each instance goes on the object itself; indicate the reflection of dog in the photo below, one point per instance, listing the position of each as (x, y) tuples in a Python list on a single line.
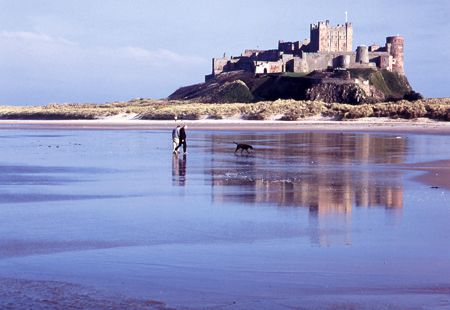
[(243, 147)]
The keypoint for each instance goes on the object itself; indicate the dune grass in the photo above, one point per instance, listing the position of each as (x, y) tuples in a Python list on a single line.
[(287, 110)]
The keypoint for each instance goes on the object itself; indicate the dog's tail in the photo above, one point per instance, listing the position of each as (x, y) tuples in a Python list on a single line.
[(235, 143)]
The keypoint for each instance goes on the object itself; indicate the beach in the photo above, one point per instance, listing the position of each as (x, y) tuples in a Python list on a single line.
[(323, 214), (126, 121), (212, 155)]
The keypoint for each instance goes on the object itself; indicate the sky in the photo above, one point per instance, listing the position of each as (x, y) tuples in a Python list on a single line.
[(112, 50)]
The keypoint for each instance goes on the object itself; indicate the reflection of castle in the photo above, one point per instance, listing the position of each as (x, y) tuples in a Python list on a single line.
[(328, 173), (328, 47)]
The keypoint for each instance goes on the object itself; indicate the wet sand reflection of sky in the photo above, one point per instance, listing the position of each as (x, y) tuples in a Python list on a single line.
[(306, 213), (325, 180), (28, 180)]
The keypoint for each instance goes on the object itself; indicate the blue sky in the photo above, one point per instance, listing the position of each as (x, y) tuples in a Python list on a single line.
[(100, 51)]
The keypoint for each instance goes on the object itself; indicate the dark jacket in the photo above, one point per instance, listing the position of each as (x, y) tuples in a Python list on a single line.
[(182, 134)]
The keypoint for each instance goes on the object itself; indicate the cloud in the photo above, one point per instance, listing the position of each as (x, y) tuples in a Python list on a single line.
[(34, 64), (42, 47), (25, 47), (29, 37), (159, 56)]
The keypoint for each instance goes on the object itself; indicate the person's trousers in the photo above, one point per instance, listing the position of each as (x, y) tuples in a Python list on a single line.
[(175, 143), (182, 142)]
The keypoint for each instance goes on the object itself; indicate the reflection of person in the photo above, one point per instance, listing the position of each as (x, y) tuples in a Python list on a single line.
[(175, 138), (182, 139), (175, 168), (182, 170), (179, 170)]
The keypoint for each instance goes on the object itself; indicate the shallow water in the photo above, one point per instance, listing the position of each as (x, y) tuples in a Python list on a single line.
[(308, 219)]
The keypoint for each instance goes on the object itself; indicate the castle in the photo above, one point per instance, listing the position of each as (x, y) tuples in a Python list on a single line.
[(328, 48)]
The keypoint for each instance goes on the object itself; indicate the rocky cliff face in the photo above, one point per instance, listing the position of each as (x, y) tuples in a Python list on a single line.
[(343, 93), (354, 87)]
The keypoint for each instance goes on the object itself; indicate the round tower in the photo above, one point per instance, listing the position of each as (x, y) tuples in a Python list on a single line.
[(362, 54), (397, 51), (344, 61)]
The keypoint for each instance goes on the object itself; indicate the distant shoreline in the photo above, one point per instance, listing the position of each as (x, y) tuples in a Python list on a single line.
[(359, 125), (280, 111)]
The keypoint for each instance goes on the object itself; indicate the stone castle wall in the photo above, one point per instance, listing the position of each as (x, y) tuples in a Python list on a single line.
[(328, 47)]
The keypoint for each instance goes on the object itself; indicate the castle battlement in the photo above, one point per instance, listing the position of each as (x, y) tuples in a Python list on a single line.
[(328, 47)]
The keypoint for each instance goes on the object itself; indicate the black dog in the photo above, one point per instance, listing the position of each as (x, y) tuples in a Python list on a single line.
[(243, 147)]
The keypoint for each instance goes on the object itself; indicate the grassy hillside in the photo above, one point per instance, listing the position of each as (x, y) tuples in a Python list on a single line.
[(393, 85), (288, 110)]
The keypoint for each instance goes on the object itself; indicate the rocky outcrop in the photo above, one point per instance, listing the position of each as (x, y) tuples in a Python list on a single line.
[(227, 87), (343, 93), (353, 87)]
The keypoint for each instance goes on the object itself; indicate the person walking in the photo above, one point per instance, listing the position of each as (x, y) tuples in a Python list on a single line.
[(182, 139), (175, 139)]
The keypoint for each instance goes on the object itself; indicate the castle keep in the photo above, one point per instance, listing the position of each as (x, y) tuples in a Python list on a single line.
[(328, 48)]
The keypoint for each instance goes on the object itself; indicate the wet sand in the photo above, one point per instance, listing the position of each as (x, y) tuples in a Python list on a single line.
[(29, 294), (436, 174), (310, 220), (359, 125)]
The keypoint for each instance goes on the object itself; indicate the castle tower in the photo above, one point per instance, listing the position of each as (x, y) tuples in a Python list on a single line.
[(344, 61), (325, 38), (348, 37), (397, 44), (362, 54)]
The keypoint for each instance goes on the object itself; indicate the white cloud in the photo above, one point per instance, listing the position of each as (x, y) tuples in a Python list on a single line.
[(23, 48), (38, 45), (43, 68), (29, 37), (158, 57), (19, 45)]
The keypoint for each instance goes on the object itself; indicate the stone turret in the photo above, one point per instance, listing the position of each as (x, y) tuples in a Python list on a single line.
[(362, 54), (344, 61), (396, 49)]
